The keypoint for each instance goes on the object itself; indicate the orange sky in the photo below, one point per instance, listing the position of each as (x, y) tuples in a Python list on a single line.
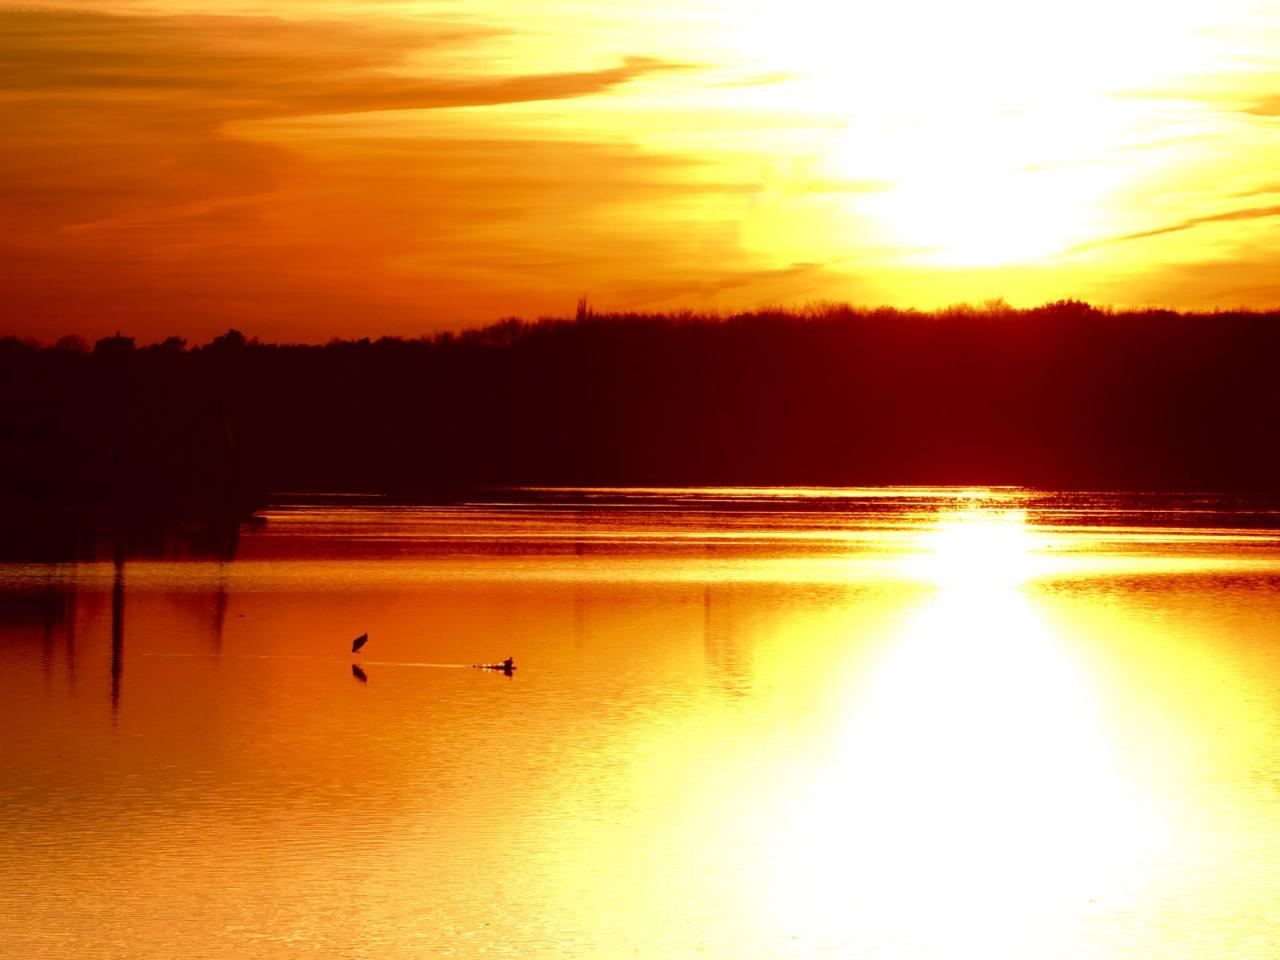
[(303, 169)]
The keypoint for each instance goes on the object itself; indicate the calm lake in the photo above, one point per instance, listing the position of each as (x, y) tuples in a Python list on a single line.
[(884, 723)]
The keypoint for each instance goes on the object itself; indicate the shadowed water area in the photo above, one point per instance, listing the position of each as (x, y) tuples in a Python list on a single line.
[(883, 723)]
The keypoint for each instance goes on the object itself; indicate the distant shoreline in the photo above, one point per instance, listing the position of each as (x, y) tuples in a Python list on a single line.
[(1064, 396)]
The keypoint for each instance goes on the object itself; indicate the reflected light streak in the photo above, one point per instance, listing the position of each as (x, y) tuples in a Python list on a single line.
[(974, 805), (979, 549)]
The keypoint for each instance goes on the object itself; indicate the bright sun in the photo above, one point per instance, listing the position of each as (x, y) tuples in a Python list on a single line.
[(986, 123)]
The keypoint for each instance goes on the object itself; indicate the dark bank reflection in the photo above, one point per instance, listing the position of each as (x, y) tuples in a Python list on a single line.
[(72, 541), (49, 608), (53, 601), (117, 631)]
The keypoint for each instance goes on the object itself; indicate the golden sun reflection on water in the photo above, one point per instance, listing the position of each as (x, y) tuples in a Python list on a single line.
[(978, 550), (973, 802)]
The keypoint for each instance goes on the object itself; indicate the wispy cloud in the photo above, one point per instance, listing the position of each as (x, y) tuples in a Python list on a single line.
[(1250, 213), (115, 113), (1261, 190), (796, 281), (261, 67)]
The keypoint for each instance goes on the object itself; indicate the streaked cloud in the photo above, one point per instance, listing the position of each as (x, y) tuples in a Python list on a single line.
[(260, 66), (1229, 216)]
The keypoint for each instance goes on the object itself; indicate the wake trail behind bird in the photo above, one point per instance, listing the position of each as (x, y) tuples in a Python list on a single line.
[(289, 656)]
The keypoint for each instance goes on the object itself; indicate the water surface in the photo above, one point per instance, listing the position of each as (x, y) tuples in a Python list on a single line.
[(893, 723)]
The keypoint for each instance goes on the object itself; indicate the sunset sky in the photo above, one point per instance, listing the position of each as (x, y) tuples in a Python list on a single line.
[(302, 169)]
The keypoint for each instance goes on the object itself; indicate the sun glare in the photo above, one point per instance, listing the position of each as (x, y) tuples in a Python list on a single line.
[(973, 804), (978, 548), (994, 141)]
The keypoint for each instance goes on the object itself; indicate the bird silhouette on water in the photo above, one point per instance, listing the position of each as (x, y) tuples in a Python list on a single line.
[(359, 642)]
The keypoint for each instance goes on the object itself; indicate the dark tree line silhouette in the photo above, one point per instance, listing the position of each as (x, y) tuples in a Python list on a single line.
[(1064, 395)]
